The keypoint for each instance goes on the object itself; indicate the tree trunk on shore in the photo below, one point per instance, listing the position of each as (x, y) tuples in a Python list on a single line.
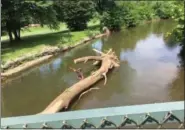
[(10, 35), (13, 28), (108, 61), (16, 34)]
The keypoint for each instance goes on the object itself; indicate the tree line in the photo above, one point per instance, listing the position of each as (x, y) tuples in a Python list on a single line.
[(17, 14)]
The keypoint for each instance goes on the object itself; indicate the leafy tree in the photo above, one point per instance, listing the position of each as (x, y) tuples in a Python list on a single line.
[(145, 10), (126, 14), (177, 34), (104, 5), (76, 13), (112, 19), (163, 9), (178, 15), (19, 13), (130, 14)]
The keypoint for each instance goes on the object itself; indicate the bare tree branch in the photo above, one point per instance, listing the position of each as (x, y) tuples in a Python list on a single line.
[(85, 59), (108, 61)]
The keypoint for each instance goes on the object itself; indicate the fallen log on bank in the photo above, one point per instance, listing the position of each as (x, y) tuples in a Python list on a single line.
[(24, 67), (17, 63), (108, 61)]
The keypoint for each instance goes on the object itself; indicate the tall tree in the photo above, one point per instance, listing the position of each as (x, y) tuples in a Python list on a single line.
[(76, 13), (104, 5), (18, 13)]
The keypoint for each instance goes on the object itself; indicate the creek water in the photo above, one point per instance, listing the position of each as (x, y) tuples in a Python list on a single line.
[(148, 73)]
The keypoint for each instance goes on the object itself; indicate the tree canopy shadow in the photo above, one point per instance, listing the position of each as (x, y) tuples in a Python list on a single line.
[(50, 39)]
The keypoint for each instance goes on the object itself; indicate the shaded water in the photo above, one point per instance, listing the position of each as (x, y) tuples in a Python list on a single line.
[(150, 75)]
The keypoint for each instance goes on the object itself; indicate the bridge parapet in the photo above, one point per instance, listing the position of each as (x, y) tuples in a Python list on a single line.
[(159, 115)]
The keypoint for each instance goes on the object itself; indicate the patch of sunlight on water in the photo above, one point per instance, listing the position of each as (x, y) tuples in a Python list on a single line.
[(98, 45)]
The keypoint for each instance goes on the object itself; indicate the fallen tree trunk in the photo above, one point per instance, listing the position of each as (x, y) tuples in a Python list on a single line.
[(108, 61), (24, 66)]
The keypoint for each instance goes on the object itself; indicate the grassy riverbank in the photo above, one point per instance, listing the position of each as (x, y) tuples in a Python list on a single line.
[(38, 38)]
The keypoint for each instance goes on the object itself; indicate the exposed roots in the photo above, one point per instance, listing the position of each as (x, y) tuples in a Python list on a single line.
[(87, 92), (108, 61), (96, 88), (104, 74), (96, 62), (110, 66), (85, 60)]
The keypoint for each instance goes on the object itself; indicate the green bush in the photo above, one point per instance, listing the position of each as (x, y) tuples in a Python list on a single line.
[(163, 9), (75, 13), (130, 15), (112, 19), (177, 13), (177, 34), (145, 11)]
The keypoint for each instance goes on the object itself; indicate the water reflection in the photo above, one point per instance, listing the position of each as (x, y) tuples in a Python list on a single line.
[(56, 64), (151, 58), (182, 55), (70, 79), (45, 70), (177, 86), (97, 45)]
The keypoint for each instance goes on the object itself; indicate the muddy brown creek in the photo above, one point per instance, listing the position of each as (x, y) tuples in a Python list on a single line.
[(149, 75)]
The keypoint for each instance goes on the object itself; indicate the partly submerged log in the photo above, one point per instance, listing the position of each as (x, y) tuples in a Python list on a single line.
[(108, 61), (24, 66)]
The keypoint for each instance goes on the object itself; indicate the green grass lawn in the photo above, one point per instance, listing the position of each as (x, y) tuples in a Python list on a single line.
[(37, 38), (36, 30)]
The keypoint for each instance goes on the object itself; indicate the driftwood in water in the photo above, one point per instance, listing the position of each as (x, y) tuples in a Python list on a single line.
[(108, 61), (78, 72), (24, 67)]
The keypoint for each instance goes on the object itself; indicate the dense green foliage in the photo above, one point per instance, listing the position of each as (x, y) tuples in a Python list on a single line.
[(178, 15), (145, 11), (136, 12), (75, 13), (112, 19), (127, 14), (163, 9), (19, 13), (104, 5), (178, 32), (130, 15)]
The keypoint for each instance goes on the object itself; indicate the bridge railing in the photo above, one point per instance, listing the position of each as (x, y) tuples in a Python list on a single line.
[(159, 115)]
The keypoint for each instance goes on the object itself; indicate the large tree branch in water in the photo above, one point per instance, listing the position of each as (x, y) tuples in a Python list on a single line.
[(63, 101), (85, 59)]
